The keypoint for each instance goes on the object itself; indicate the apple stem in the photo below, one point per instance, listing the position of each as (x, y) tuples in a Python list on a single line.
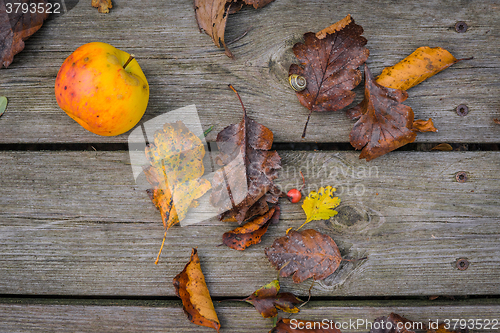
[(132, 57)]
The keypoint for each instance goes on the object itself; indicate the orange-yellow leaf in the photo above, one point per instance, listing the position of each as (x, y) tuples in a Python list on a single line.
[(190, 286), (420, 125), (415, 68), (102, 6), (443, 147)]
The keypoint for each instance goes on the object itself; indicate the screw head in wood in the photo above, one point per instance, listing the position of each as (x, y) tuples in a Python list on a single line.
[(461, 27), (462, 264), (462, 110), (461, 177)]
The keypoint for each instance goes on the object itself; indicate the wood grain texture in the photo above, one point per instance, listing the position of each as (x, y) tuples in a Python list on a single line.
[(75, 223), (183, 66), (167, 316)]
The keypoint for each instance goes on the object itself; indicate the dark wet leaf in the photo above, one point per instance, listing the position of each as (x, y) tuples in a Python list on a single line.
[(304, 254)]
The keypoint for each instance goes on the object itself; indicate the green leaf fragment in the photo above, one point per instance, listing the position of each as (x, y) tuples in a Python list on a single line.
[(3, 104), (208, 130)]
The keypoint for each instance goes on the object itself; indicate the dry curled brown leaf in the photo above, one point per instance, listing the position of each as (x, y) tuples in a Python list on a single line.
[(211, 16), (304, 254), (191, 288), (497, 121), (251, 233), (421, 126), (244, 186), (330, 67), (16, 27), (102, 6), (384, 123)]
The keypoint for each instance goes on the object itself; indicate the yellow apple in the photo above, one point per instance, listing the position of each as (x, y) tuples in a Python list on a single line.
[(102, 88)]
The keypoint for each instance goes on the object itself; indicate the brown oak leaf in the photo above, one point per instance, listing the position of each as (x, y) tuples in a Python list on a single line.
[(191, 288), (303, 326), (267, 300), (211, 16), (496, 121), (102, 6), (304, 254), (16, 27), (393, 323), (244, 186), (330, 67), (251, 233), (384, 123)]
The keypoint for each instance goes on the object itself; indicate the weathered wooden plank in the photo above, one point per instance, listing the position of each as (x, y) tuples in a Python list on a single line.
[(183, 67), (167, 316), (75, 223)]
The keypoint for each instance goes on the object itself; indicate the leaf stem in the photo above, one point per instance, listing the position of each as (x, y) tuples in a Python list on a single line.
[(161, 248), (462, 59), (132, 57), (354, 260), (307, 122), (303, 181), (244, 110)]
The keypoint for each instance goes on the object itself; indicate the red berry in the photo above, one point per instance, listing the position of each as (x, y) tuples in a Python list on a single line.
[(294, 195)]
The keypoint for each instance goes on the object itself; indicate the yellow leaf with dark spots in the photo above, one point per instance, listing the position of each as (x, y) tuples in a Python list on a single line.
[(176, 158)]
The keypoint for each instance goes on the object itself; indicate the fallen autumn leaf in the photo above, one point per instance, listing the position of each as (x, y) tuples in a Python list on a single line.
[(319, 205), (211, 16), (191, 288), (423, 63), (12, 36), (330, 67), (267, 300), (304, 254), (244, 186), (251, 233), (384, 123)]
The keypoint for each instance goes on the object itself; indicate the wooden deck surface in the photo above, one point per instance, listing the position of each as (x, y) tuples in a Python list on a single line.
[(78, 236)]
